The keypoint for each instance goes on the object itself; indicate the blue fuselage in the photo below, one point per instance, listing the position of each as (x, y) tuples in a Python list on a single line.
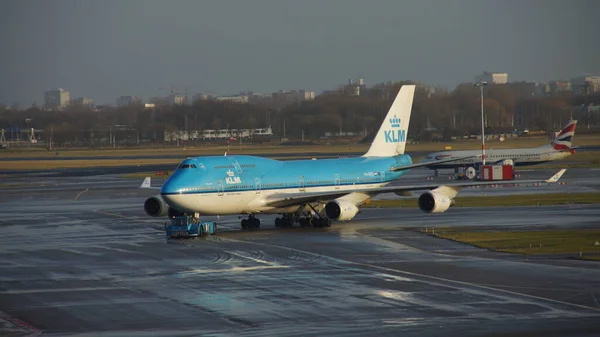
[(217, 184)]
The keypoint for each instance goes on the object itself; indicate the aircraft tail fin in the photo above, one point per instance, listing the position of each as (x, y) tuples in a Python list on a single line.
[(564, 140), (391, 137), (146, 183)]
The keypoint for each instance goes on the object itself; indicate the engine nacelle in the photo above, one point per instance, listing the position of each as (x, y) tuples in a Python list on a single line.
[(471, 173), (155, 206), (340, 210), (434, 202)]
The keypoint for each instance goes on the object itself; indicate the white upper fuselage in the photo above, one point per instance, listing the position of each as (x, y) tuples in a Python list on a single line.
[(520, 157)]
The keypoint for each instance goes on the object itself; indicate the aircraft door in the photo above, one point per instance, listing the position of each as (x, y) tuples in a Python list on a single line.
[(336, 179), (236, 165), (220, 187), (257, 186), (382, 174), (301, 183)]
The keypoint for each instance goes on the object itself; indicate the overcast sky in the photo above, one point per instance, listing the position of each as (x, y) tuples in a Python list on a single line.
[(104, 48)]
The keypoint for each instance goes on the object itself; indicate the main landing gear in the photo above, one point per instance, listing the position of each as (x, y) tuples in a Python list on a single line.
[(251, 222), (289, 220)]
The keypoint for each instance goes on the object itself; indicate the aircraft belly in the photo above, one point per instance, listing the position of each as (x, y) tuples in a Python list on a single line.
[(248, 201), (210, 203)]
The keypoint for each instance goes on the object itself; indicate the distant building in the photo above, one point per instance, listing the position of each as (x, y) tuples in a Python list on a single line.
[(256, 98), (235, 99), (202, 97), (128, 101), (583, 83), (304, 95), (82, 101), (494, 78), (56, 99), (557, 87), (177, 100), (354, 88)]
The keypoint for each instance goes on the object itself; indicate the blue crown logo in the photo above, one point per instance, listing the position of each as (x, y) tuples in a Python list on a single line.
[(395, 121)]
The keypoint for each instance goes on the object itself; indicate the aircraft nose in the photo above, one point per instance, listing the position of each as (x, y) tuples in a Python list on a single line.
[(173, 185), (173, 191)]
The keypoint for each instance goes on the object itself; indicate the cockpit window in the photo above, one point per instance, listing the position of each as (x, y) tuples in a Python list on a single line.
[(184, 166)]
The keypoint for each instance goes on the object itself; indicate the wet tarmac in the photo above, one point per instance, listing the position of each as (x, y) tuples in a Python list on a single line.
[(82, 259)]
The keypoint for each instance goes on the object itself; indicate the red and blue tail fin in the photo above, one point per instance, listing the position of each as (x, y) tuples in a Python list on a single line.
[(564, 139)]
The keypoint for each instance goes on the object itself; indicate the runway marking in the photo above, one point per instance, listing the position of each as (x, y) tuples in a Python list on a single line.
[(252, 259), (230, 270), (536, 288), (474, 285), (77, 197), (54, 290), (268, 265), (122, 216), (595, 299)]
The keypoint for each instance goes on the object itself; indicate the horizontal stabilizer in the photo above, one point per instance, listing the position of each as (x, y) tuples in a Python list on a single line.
[(429, 163), (556, 176), (147, 184)]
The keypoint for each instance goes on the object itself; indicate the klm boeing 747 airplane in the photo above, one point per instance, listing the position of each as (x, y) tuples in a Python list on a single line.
[(308, 192)]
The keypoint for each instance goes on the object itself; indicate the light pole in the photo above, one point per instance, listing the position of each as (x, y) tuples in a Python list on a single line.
[(481, 84), (27, 120)]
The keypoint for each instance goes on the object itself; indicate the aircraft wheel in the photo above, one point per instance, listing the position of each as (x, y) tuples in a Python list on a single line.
[(326, 222), (256, 223), (277, 222), (244, 223)]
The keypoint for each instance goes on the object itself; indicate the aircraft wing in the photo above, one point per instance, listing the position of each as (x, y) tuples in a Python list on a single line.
[(291, 199), (146, 184), (429, 163)]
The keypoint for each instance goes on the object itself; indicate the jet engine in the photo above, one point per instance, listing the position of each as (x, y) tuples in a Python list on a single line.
[(434, 202), (340, 210), (155, 206)]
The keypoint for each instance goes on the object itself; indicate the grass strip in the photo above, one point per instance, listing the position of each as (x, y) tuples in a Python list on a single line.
[(575, 241)]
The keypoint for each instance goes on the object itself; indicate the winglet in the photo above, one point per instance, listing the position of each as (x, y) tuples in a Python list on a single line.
[(146, 183), (556, 176)]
